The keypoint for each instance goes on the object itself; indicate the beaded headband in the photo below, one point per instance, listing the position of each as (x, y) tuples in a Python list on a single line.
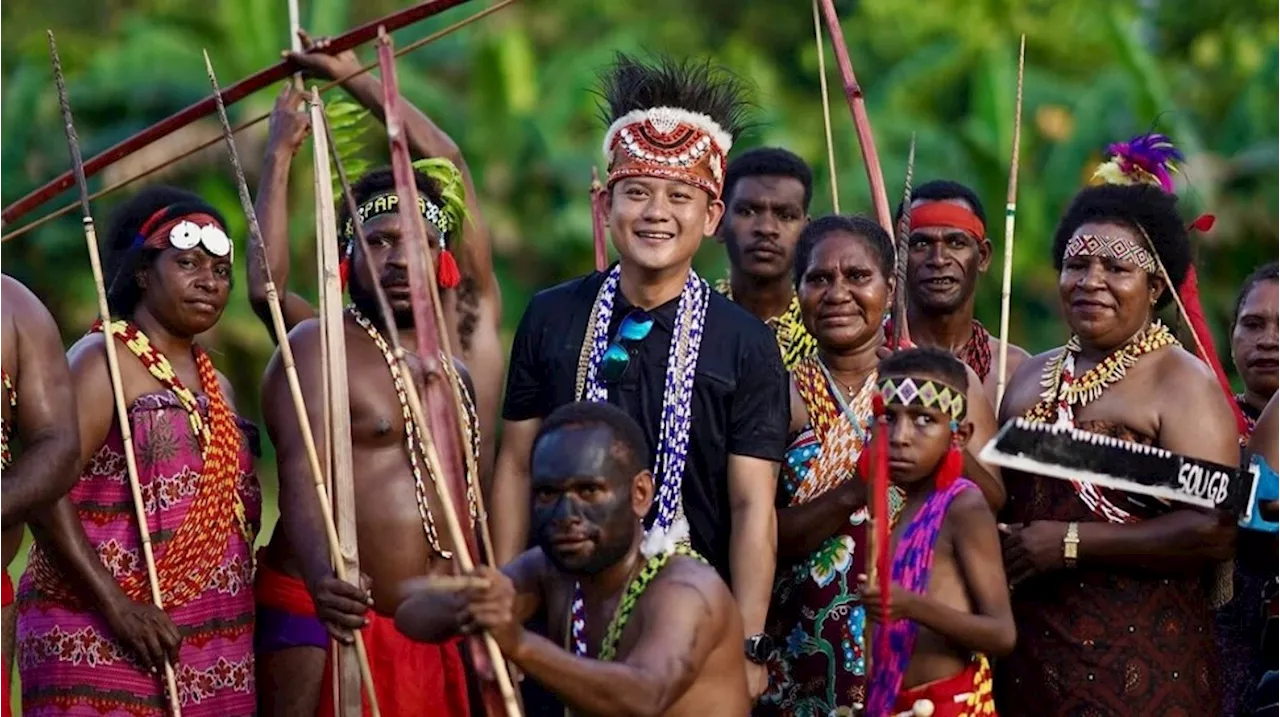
[(1110, 247), (387, 203), (931, 394), (669, 143)]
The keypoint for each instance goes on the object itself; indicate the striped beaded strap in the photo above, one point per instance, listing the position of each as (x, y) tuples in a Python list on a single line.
[(622, 613), (198, 546), (413, 434)]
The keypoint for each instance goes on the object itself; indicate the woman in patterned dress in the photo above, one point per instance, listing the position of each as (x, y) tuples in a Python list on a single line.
[(844, 270), (89, 640), (1111, 591)]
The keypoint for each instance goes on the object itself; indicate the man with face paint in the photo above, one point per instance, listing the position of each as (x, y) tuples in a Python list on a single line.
[(702, 376), (947, 251), (660, 635), (399, 526)]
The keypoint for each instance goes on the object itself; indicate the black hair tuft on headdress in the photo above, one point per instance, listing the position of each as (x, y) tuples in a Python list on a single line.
[(696, 86)]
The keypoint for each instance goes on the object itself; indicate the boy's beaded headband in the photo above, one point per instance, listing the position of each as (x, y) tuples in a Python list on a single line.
[(907, 391)]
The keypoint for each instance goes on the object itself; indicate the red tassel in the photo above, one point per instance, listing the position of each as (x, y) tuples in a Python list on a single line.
[(344, 270), (1189, 292), (1203, 223), (950, 468), (447, 274)]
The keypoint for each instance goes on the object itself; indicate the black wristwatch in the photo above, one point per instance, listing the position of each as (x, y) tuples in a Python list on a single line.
[(759, 648)]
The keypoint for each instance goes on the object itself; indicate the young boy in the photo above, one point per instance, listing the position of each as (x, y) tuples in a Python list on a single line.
[(949, 607)]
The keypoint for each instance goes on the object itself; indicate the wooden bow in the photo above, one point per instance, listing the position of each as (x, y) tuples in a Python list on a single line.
[(442, 441), (858, 108), (207, 106)]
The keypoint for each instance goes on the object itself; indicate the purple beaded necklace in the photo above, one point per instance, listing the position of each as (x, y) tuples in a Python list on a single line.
[(670, 528)]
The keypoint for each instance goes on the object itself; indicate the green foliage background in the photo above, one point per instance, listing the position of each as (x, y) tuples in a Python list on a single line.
[(514, 90)]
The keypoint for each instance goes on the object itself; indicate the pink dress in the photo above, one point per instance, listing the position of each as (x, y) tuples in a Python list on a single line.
[(69, 659)]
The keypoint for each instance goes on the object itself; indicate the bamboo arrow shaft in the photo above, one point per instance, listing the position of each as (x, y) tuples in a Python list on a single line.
[(113, 360)]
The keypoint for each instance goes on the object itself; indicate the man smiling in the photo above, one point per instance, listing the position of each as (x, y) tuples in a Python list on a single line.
[(701, 375), (947, 251)]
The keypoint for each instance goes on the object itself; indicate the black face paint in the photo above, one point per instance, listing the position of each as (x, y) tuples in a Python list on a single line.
[(582, 516)]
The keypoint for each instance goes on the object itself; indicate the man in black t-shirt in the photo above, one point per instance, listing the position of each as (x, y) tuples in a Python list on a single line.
[(701, 375)]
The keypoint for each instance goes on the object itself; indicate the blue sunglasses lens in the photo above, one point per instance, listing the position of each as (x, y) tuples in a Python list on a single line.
[(614, 363), (635, 327)]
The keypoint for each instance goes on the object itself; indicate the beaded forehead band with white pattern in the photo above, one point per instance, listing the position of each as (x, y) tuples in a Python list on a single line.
[(1110, 247), (907, 391), (388, 203)]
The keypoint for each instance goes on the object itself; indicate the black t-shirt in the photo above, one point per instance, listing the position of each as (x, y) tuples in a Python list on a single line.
[(741, 394)]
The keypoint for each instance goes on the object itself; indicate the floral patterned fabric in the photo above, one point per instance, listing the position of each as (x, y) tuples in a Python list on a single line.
[(816, 618), (70, 661)]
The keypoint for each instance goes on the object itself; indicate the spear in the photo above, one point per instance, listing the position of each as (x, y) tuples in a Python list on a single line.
[(900, 333), (113, 360), (291, 376), (1010, 211), (433, 348)]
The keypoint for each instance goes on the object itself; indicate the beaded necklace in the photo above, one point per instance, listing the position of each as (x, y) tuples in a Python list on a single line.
[(670, 529), (6, 452), (636, 588), (199, 543), (1064, 392), (413, 434)]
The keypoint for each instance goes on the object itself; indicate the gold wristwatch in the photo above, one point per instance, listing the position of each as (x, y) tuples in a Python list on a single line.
[(1071, 545)]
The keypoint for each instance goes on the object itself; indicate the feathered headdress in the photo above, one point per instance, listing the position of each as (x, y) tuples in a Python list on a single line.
[(1153, 159), (670, 119), (350, 123)]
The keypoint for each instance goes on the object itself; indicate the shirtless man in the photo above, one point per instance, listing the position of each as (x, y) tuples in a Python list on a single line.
[(947, 251), (400, 528), (477, 316), (38, 408), (956, 608), (676, 651)]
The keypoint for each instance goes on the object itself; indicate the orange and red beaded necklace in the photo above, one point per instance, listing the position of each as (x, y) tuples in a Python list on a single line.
[(199, 544)]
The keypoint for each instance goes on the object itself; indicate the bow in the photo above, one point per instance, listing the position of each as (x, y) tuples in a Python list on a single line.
[(447, 462), (207, 106), (858, 107)]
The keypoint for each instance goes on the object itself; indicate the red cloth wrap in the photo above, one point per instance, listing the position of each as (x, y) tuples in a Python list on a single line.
[(410, 678), (942, 693), (947, 214), (158, 237), (5, 696), (273, 588)]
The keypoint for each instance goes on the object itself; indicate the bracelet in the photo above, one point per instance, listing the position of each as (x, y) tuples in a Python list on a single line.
[(1071, 545)]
